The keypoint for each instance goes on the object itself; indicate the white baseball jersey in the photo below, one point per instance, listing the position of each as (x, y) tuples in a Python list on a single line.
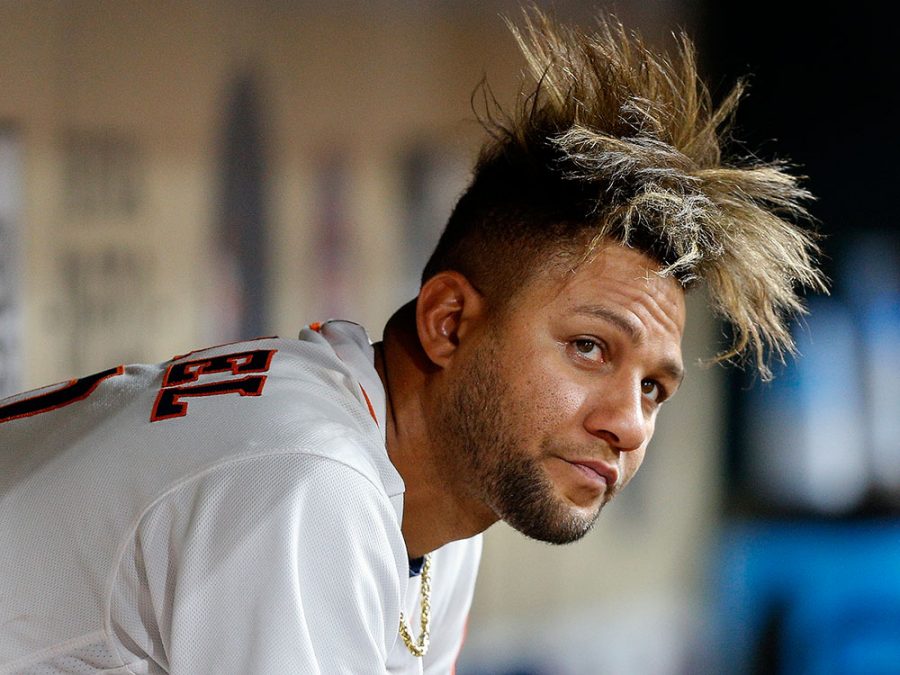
[(233, 510)]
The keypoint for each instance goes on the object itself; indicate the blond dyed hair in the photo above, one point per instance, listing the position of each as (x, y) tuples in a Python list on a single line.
[(617, 142)]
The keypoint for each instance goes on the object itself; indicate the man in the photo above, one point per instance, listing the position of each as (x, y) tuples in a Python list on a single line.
[(315, 505)]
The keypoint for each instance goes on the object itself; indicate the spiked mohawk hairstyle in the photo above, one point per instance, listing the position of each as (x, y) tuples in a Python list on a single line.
[(616, 142)]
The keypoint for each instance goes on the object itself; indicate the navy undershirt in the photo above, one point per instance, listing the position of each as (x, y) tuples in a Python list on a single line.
[(415, 566)]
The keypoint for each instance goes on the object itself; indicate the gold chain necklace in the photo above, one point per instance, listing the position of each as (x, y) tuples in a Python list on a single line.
[(420, 646)]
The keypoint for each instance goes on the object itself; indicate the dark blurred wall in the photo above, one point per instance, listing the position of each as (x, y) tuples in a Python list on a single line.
[(823, 93), (808, 579)]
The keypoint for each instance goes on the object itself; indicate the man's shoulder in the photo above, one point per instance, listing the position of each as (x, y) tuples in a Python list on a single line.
[(128, 437), (215, 401)]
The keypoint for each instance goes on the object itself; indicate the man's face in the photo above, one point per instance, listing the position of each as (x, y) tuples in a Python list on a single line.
[(552, 408)]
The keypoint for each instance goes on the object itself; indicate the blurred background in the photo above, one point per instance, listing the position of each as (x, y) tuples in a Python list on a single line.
[(175, 174)]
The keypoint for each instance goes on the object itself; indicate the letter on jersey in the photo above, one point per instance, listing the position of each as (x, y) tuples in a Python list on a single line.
[(74, 390), (175, 387)]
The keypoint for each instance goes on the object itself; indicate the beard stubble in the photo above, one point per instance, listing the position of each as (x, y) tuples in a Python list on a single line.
[(485, 448)]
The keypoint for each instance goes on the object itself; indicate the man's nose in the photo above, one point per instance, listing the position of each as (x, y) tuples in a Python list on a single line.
[(617, 415)]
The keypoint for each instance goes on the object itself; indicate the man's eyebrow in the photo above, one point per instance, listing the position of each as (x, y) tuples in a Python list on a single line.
[(674, 370), (628, 327), (668, 366)]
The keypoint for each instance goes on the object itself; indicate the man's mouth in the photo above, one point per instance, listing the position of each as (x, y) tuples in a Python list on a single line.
[(597, 471)]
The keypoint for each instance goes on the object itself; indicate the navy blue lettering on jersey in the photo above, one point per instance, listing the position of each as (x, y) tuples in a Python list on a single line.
[(73, 391), (170, 401)]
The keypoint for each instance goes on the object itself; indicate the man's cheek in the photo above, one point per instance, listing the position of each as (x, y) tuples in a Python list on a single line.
[(631, 462)]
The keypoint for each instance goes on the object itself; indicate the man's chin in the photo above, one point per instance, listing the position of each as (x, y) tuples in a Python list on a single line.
[(566, 526)]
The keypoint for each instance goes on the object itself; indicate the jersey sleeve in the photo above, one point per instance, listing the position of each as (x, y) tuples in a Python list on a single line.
[(274, 564)]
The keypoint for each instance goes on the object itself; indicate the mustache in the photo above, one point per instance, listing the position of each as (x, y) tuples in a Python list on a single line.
[(598, 451)]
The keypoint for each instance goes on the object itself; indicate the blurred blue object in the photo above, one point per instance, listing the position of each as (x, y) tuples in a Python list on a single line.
[(824, 437), (806, 430), (809, 598), (845, 631)]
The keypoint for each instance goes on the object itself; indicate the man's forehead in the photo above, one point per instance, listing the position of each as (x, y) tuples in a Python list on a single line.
[(612, 265)]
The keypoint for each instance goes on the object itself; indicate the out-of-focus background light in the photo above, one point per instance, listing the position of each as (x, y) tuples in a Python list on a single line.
[(177, 174)]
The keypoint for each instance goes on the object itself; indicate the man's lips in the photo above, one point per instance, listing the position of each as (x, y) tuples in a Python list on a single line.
[(596, 469)]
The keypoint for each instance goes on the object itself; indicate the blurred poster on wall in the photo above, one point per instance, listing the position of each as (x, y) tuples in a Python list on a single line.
[(103, 176), (239, 308), (10, 261), (434, 177), (106, 301), (333, 236)]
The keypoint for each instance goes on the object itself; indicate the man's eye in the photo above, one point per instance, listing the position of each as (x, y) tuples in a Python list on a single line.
[(652, 390), (588, 349)]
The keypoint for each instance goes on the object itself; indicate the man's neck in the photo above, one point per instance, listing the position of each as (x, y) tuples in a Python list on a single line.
[(436, 510)]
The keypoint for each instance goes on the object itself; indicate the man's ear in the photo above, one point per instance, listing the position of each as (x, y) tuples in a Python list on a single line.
[(446, 311)]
